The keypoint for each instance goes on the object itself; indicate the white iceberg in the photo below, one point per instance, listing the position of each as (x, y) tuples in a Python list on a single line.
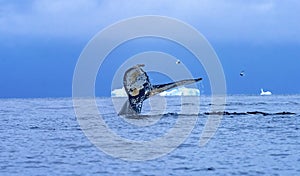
[(181, 91), (119, 93)]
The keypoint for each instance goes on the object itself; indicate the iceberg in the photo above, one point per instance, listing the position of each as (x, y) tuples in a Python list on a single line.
[(119, 93), (181, 91)]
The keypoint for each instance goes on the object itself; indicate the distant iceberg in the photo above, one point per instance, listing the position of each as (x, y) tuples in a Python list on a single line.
[(181, 91), (265, 93), (118, 93)]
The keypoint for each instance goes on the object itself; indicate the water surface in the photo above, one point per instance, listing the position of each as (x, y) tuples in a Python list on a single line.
[(257, 135)]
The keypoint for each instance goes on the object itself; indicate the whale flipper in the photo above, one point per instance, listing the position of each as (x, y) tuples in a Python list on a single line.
[(138, 88)]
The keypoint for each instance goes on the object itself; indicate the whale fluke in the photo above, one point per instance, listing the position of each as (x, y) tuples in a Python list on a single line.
[(138, 88)]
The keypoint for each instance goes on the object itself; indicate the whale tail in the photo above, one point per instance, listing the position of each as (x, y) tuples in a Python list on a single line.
[(138, 88)]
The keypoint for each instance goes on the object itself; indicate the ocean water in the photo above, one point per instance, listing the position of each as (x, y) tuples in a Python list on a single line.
[(258, 135)]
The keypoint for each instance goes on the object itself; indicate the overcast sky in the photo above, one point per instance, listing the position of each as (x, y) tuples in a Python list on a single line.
[(40, 41)]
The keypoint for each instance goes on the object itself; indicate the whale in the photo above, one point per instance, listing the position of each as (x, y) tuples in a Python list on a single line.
[(138, 88)]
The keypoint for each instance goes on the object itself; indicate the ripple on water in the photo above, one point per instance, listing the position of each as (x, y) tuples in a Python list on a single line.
[(255, 137)]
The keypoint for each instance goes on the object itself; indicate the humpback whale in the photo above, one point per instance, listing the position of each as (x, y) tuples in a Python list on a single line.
[(138, 88)]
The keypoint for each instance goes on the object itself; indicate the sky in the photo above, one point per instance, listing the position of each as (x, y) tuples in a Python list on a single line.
[(41, 41)]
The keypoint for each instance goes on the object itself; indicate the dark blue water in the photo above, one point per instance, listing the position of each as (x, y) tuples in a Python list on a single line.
[(257, 136)]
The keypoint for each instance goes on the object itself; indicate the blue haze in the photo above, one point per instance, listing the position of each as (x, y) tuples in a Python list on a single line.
[(39, 68)]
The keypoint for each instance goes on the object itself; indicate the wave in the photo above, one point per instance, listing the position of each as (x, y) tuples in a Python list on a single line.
[(249, 113), (254, 103), (238, 104), (143, 116), (224, 113), (55, 108)]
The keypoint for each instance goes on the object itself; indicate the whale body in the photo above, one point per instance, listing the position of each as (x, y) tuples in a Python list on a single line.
[(138, 88)]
